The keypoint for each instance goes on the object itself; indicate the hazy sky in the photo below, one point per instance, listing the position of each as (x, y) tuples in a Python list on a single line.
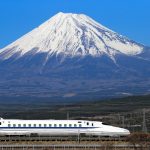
[(128, 17)]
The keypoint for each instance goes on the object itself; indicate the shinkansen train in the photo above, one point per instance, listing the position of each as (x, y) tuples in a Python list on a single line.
[(58, 128)]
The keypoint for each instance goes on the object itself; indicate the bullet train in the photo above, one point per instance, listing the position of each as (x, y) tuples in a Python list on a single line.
[(58, 128)]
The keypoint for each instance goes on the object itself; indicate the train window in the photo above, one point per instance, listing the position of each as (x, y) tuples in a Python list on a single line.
[(50, 125), (65, 125), (24, 125), (39, 125), (79, 121), (55, 125), (80, 125), (34, 125), (70, 125), (45, 125), (87, 123), (0, 123), (19, 125), (29, 125), (9, 125), (60, 125), (75, 125), (104, 123), (92, 124), (14, 125)]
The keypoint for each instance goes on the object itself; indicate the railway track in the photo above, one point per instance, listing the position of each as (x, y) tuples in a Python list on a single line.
[(71, 147), (18, 138)]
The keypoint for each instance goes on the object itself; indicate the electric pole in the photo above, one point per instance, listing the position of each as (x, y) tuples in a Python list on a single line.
[(144, 128), (67, 115)]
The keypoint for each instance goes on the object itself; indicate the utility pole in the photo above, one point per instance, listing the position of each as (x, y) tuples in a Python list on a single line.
[(123, 124), (118, 117), (144, 128), (122, 119), (67, 115)]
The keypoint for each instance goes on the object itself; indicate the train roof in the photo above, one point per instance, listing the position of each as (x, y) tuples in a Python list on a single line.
[(47, 120)]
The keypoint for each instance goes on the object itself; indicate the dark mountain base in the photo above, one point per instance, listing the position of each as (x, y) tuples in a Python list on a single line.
[(74, 79), (57, 90)]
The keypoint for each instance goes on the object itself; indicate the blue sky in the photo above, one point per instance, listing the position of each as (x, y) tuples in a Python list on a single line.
[(128, 17)]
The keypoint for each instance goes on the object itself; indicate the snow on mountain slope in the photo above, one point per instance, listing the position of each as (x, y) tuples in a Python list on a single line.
[(71, 35)]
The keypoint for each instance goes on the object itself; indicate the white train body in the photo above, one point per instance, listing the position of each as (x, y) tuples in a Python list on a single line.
[(58, 128)]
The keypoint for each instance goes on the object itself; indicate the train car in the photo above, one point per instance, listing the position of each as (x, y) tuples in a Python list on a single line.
[(58, 128)]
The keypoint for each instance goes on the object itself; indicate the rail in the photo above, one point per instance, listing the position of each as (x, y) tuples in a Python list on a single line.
[(72, 147), (18, 138)]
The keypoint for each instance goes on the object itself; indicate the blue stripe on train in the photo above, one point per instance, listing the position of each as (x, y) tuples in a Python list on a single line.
[(48, 127)]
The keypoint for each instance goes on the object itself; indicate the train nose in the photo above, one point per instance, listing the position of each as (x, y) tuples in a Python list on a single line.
[(124, 131)]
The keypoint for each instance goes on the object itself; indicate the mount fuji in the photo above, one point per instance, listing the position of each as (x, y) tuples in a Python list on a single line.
[(71, 56)]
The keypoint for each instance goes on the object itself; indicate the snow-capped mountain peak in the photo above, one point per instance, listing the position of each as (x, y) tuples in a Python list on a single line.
[(71, 35), (71, 54)]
